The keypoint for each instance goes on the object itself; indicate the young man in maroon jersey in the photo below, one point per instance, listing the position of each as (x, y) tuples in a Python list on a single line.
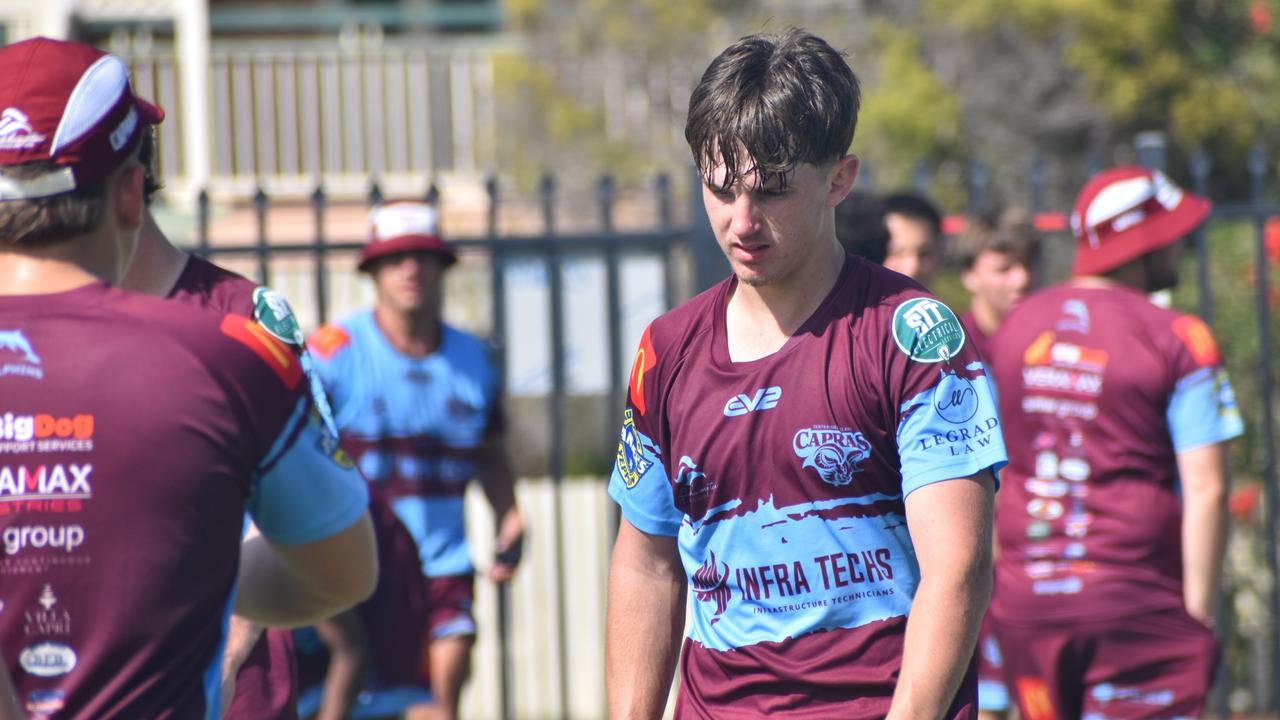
[(138, 432), (809, 444), (259, 668), (1112, 520)]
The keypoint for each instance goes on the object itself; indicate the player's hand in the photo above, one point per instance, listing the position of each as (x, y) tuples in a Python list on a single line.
[(509, 548)]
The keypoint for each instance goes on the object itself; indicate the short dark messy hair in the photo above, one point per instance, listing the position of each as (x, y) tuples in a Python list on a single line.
[(768, 103)]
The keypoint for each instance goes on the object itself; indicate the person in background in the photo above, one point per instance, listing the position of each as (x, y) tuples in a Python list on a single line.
[(997, 263), (996, 266), (915, 235), (782, 454), (860, 226), (139, 431), (419, 407), (1112, 519)]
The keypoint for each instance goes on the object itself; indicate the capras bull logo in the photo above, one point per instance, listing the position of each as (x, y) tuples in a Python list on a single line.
[(834, 453)]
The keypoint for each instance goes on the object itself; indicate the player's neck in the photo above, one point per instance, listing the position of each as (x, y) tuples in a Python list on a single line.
[(157, 264), (416, 334), (759, 319), (59, 266)]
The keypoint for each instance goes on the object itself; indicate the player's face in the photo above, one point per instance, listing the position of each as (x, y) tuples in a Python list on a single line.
[(1162, 267), (998, 279), (409, 282), (912, 247), (775, 232)]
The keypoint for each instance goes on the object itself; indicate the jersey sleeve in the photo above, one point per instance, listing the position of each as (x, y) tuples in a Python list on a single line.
[(1202, 406), (303, 488), (640, 484), (306, 487), (944, 407)]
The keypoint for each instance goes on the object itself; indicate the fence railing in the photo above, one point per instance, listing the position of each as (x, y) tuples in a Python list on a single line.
[(687, 259)]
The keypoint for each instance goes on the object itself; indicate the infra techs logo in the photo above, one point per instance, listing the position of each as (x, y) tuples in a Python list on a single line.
[(18, 357)]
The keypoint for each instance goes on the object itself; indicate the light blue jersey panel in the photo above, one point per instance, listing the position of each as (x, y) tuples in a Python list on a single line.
[(302, 492), (1202, 410), (413, 425), (838, 573), (951, 430)]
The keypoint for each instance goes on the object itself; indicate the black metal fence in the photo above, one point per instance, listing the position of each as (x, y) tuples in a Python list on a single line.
[(693, 244)]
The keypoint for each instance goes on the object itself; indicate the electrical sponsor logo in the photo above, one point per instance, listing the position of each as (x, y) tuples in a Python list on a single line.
[(830, 574), (966, 440), (275, 315), (44, 432), (27, 364), (632, 461), (762, 399), (16, 132), (48, 620), (834, 453), (927, 330), (20, 537), (954, 399), (48, 659), (45, 488)]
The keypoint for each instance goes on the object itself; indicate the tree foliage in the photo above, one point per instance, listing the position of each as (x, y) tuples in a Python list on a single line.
[(1205, 71)]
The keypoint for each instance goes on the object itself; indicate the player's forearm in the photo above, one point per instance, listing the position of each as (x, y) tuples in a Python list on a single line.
[(942, 631), (1204, 542), (644, 624), (1203, 476), (348, 653), (287, 586)]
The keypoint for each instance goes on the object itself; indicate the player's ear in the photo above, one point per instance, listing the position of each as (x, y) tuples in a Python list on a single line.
[(843, 174)]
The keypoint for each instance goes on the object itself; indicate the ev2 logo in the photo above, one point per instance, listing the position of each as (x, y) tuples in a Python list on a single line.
[(762, 399)]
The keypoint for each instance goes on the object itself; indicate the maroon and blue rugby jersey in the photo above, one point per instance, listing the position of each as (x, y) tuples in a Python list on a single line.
[(135, 432), (266, 684), (784, 479), (1099, 390)]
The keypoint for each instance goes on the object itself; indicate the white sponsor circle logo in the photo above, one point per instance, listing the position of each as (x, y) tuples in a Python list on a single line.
[(48, 659)]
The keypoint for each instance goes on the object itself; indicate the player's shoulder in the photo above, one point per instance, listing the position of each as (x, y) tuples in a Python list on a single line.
[(230, 347), (333, 340), (689, 319), (210, 285)]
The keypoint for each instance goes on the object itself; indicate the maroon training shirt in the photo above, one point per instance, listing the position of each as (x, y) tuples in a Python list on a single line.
[(1099, 389), (266, 684)]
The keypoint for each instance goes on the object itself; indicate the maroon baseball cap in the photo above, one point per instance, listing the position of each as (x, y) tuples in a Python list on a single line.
[(1126, 212), (71, 104), (403, 227)]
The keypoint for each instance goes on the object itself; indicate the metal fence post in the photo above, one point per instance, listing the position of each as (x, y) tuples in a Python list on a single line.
[(1270, 680), (1152, 147), (261, 246), (318, 203), (555, 261)]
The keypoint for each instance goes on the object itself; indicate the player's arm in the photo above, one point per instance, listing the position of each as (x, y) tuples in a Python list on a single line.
[(493, 467), (348, 653), (242, 635), (1203, 476), (9, 707), (950, 524), (644, 623), (286, 585)]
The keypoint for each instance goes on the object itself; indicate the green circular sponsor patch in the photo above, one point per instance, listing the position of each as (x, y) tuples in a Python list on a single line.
[(273, 313), (927, 331)]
